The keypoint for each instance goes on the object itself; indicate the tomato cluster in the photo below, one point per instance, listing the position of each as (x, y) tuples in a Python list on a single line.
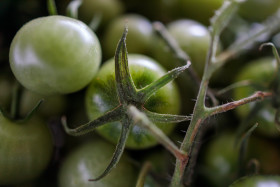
[(70, 67)]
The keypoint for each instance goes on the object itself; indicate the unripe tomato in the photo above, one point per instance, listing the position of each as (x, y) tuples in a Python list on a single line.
[(192, 37), (89, 160), (101, 96), (138, 39), (107, 9), (258, 181), (25, 149), (260, 72), (52, 106), (55, 55), (220, 160), (200, 10), (258, 10)]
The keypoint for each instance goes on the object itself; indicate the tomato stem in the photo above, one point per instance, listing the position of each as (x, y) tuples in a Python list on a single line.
[(143, 174), (52, 7), (141, 119)]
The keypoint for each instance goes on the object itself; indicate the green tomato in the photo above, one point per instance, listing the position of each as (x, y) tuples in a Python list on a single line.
[(52, 106), (258, 10), (101, 97), (192, 37), (139, 36), (88, 161), (55, 55), (220, 161), (258, 181), (107, 9), (260, 72), (200, 10), (25, 148)]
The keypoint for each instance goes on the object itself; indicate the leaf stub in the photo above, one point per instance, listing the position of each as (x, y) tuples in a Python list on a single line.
[(145, 93), (113, 115)]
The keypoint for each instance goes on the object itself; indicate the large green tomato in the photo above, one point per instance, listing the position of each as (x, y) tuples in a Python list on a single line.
[(200, 10), (55, 55), (25, 149), (101, 97), (140, 33), (107, 9), (258, 181), (89, 160), (258, 10), (260, 72)]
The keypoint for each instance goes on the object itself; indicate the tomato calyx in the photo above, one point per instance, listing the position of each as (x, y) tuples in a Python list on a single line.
[(128, 95)]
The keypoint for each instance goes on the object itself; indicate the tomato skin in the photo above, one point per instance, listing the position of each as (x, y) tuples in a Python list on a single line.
[(52, 106), (220, 160), (192, 37), (25, 149), (89, 160), (201, 10), (140, 33), (261, 72), (258, 10), (258, 181), (55, 55), (108, 9), (101, 97)]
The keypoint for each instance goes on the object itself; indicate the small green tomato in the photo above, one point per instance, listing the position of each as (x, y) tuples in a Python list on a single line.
[(91, 158)]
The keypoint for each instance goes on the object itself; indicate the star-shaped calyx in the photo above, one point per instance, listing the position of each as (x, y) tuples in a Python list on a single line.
[(128, 95)]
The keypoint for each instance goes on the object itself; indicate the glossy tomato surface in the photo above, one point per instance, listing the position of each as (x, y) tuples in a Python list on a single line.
[(55, 55), (258, 181), (101, 97), (260, 73), (89, 160), (25, 149), (192, 37)]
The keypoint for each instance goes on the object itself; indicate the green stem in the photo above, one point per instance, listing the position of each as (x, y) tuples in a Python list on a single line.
[(52, 7), (73, 7), (143, 174), (141, 119)]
